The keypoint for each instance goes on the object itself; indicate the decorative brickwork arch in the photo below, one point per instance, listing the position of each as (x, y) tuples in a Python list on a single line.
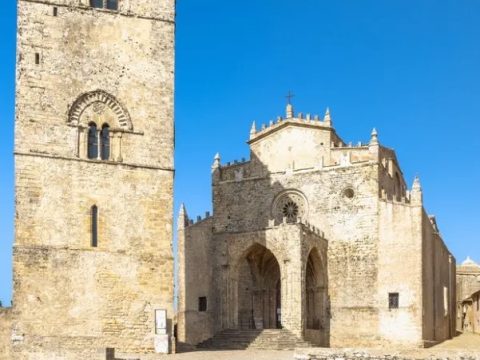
[(99, 99)]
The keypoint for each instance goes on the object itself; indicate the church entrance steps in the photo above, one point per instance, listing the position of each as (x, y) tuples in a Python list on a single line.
[(267, 339)]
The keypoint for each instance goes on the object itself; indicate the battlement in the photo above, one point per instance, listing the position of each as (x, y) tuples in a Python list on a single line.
[(303, 223), (290, 119)]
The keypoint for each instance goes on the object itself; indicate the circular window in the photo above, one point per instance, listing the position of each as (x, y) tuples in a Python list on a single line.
[(290, 210), (289, 205), (348, 193)]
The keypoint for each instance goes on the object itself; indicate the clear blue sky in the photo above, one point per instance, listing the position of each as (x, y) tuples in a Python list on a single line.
[(408, 68)]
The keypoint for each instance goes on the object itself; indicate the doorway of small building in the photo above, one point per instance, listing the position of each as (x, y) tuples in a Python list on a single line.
[(259, 290), (316, 296)]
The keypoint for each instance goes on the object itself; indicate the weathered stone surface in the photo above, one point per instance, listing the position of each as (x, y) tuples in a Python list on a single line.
[(384, 354), (380, 242), (468, 283), (5, 333), (77, 66)]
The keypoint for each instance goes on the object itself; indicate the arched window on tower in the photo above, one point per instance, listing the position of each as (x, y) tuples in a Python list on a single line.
[(104, 4), (94, 225), (92, 141), (105, 145)]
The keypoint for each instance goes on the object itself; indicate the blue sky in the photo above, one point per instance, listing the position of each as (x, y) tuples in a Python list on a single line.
[(408, 68)]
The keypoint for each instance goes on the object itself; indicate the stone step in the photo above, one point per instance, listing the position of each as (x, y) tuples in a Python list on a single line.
[(268, 339)]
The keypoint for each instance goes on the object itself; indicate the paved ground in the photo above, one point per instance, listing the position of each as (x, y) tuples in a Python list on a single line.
[(466, 341), (227, 355), (463, 343)]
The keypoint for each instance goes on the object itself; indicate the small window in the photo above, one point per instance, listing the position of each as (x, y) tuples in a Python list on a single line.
[(393, 300), (112, 4), (105, 146), (104, 4), (445, 301), (96, 4), (202, 303), (94, 229), (37, 58), (55, 11), (92, 141), (348, 193)]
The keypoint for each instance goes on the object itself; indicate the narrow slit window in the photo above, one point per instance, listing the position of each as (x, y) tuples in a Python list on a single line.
[(105, 146), (202, 303), (92, 141), (445, 300), (94, 230), (393, 300), (37, 58), (55, 11)]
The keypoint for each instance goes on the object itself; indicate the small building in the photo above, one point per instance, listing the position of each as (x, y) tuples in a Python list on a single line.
[(470, 314), (316, 237), (468, 290)]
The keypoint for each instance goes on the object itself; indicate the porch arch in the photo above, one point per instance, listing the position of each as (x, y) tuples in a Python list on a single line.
[(259, 289), (317, 301)]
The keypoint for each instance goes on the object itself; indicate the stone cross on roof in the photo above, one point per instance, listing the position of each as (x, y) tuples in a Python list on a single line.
[(289, 97)]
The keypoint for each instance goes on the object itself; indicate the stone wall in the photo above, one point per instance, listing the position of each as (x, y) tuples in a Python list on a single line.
[(439, 287), (77, 65), (400, 269), (197, 254), (5, 333)]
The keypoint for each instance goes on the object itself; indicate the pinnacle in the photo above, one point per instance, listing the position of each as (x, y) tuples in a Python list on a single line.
[(416, 184)]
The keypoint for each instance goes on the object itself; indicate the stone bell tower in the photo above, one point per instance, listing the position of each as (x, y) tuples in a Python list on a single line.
[(94, 142)]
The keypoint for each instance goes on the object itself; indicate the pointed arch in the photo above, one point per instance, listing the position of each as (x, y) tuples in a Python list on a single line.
[(100, 97), (259, 289), (315, 291)]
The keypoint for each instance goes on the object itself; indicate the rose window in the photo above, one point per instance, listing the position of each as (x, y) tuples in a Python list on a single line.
[(290, 210), (289, 206)]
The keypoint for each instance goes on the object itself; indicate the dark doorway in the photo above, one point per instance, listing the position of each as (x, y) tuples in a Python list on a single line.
[(259, 290)]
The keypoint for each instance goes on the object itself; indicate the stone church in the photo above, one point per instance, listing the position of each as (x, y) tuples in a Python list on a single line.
[(94, 143), (311, 236), (317, 238)]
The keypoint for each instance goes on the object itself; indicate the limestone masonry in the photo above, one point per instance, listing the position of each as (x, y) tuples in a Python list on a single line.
[(94, 141), (319, 238), (468, 296), (312, 241)]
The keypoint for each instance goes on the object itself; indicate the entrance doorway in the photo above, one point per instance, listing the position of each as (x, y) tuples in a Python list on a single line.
[(259, 290)]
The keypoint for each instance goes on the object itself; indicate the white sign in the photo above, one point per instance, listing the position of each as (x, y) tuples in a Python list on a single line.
[(160, 321)]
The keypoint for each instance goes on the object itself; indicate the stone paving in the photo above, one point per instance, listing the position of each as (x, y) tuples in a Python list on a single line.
[(465, 343)]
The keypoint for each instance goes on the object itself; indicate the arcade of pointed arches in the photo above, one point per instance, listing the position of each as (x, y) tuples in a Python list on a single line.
[(259, 295)]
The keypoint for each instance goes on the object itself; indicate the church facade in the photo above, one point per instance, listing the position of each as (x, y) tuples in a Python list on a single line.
[(94, 143), (319, 238)]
